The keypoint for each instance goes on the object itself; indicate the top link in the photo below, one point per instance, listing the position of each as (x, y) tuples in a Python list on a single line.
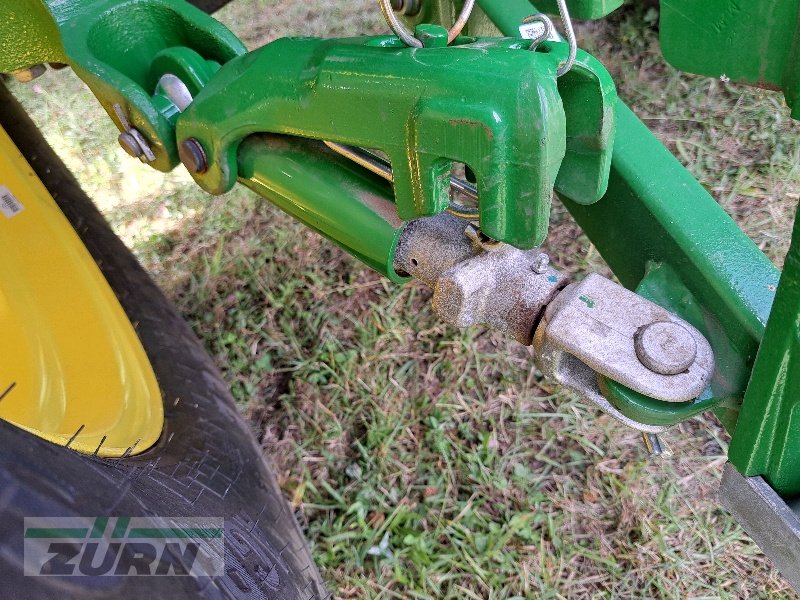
[(409, 39)]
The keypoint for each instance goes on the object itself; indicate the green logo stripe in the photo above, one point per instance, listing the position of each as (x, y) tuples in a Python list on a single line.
[(55, 532), (99, 526), (121, 527), (175, 532)]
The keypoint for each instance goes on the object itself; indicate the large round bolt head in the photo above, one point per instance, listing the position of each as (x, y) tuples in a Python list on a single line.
[(665, 347), (129, 144), (193, 156)]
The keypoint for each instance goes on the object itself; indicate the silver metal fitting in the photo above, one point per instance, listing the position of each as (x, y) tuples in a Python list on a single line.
[(598, 322), (429, 247), (130, 144), (173, 88), (406, 8), (193, 156), (541, 263), (580, 331), (131, 139), (477, 281)]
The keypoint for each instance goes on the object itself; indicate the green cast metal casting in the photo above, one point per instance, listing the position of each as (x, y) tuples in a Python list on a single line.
[(656, 215), (582, 9), (327, 192), (422, 108), (590, 101), (119, 48), (28, 35), (587, 92), (754, 42), (768, 440), (486, 103)]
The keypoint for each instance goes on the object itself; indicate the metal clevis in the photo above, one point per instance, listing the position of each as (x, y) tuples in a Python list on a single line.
[(580, 332)]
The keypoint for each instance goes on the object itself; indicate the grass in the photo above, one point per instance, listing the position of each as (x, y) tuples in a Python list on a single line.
[(430, 462)]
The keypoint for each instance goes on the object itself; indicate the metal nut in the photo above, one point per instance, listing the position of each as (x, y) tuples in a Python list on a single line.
[(130, 145), (193, 156), (665, 347), (406, 7), (540, 263)]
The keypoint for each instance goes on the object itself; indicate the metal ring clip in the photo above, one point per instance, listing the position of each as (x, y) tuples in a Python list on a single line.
[(551, 33), (408, 38), (573, 44)]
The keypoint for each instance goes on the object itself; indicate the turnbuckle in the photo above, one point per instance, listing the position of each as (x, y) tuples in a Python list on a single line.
[(581, 332)]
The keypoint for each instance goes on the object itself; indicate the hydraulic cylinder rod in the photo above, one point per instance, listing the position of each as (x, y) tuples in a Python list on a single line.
[(327, 192)]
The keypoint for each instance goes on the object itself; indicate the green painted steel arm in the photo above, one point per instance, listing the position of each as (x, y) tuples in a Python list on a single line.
[(120, 49), (582, 9), (769, 444), (420, 106), (757, 42)]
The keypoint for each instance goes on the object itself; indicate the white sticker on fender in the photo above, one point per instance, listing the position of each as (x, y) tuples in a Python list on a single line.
[(9, 205)]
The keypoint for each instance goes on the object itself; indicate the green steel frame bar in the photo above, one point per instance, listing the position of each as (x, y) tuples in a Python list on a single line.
[(663, 234), (769, 445)]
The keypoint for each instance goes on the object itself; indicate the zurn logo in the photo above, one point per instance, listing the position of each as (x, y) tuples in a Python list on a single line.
[(123, 546)]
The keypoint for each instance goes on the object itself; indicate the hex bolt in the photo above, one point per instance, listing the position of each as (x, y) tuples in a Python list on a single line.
[(652, 443), (193, 156), (406, 7), (665, 347), (541, 263), (130, 144)]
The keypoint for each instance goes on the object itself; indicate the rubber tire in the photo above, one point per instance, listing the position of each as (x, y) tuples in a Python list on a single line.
[(206, 463)]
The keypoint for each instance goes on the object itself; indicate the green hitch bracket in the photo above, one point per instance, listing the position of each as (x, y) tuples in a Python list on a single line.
[(489, 103), (590, 100), (120, 49)]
